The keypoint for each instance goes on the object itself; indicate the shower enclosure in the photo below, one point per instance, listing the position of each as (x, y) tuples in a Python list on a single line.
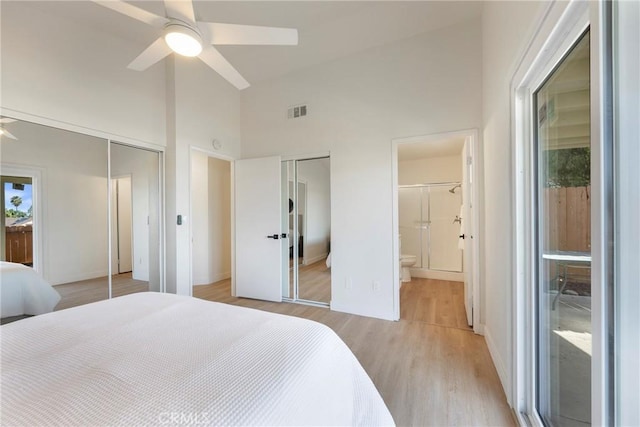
[(429, 219)]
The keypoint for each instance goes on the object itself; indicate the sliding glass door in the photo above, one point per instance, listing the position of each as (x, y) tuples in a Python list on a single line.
[(563, 241)]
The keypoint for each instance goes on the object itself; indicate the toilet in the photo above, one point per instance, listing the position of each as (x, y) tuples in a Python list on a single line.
[(406, 262)]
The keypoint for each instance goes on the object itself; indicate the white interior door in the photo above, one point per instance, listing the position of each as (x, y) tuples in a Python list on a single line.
[(466, 228), (257, 222)]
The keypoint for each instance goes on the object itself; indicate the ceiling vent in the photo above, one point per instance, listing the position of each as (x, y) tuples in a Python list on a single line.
[(297, 111)]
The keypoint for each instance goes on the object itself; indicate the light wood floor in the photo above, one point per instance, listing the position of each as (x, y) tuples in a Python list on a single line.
[(314, 282), (437, 302), (427, 374), (92, 290)]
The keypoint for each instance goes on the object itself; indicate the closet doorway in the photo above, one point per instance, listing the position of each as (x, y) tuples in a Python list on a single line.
[(306, 223), (210, 224)]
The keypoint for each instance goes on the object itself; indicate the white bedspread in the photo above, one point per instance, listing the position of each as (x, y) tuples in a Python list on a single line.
[(161, 359), (23, 291)]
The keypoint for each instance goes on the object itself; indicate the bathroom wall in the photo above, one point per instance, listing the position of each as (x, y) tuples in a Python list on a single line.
[(430, 170)]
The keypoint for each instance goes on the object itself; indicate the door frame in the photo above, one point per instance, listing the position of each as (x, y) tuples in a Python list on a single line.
[(296, 254), (557, 30), (474, 139), (231, 160), (115, 220), (38, 197)]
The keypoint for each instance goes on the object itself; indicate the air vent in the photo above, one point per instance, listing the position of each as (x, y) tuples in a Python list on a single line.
[(297, 111)]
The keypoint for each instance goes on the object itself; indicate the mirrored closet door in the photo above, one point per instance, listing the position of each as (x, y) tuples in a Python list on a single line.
[(55, 201), (306, 217), (134, 193), (82, 217)]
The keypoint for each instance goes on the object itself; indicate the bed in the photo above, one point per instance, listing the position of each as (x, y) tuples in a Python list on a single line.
[(23, 291), (163, 359)]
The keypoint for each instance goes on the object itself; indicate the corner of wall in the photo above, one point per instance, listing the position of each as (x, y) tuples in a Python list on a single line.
[(499, 363)]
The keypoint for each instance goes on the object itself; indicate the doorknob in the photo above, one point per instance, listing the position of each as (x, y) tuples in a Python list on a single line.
[(273, 236)]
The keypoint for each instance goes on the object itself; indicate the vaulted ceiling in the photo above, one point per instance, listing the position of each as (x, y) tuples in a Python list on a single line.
[(328, 30)]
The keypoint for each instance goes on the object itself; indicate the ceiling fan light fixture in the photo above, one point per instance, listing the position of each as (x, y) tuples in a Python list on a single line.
[(183, 40)]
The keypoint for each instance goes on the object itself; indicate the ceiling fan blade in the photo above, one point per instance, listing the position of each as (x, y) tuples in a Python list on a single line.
[(134, 12), (180, 9), (7, 120), (154, 53), (250, 34), (8, 134), (215, 60)]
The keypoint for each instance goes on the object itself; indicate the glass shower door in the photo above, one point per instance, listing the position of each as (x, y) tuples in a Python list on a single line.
[(412, 227), (444, 209)]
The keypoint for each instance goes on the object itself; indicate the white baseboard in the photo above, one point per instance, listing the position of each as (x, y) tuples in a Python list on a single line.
[(198, 281), (79, 277), (478, 329), (221, 276), (308, 261), (423, 273), (497, 361)]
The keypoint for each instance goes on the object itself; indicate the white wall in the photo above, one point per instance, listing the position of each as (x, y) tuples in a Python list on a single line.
[(211, 218), (507, 27), (219, 219), (74, 198), (74, 72), (315, 174), (430, 170), (201, 107), (200, 217), (357, 105)]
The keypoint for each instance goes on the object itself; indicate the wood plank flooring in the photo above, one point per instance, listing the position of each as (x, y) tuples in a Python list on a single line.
[(314, 282), (437, 302), (427, 374), (92, 290)]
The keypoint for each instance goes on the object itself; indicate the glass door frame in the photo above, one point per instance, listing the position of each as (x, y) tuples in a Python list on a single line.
[(560, 26)]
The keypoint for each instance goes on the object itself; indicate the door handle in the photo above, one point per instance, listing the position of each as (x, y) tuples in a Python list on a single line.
[(273, 236), (461, 236)]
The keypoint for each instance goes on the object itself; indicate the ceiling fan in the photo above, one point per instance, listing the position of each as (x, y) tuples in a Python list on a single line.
[(3, 131), (182, 34)]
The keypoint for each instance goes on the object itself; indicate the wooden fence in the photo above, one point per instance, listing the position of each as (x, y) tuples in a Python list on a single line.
[(19, 244), (568, 219)]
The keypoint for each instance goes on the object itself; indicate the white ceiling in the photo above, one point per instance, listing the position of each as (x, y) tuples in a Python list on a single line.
[(328, 30), (429, 149)]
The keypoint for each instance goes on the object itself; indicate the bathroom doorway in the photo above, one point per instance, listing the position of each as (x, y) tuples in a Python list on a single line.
[(434, 217), (211, 225)]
